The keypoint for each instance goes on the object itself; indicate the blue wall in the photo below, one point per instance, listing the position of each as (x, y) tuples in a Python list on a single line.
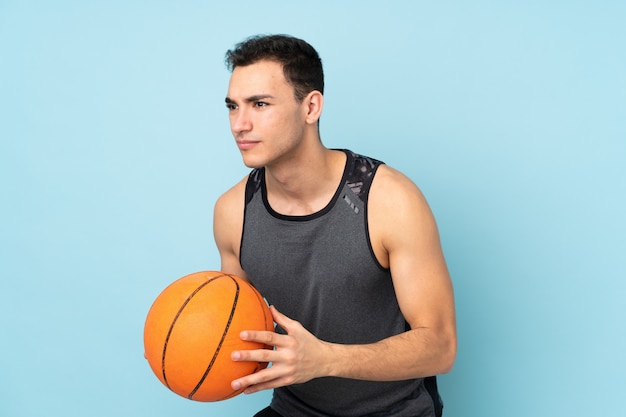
[(511, 117)]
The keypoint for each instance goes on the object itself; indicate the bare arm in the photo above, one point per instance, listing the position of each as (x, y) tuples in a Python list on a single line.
[(227, 228), (405, 238)]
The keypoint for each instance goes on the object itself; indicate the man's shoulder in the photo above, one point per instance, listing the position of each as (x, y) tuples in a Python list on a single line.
[(394, 189), (232, 196)]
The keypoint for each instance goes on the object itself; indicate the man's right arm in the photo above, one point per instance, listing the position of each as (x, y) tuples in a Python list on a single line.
[(228, 227)]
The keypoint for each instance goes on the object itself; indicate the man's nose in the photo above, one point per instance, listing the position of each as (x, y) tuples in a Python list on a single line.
[(240, 121)]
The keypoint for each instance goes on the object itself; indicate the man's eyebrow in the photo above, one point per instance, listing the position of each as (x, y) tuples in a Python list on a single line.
[(258, 97), (250, 99)]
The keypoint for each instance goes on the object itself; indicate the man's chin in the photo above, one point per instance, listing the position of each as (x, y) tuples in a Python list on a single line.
[(250, 162)]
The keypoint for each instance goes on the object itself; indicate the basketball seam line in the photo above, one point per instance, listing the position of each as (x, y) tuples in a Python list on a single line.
[(219, 346), (169, 333)]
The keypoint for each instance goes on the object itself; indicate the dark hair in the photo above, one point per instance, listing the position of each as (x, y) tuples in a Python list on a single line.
[(302, 65)]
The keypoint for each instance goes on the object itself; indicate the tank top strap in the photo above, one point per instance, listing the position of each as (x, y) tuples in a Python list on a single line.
[(255, 179), (361, 173)]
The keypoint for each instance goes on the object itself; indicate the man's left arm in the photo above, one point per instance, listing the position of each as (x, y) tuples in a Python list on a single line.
[(405, 239)]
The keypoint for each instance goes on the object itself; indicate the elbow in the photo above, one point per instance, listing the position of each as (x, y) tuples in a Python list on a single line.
[(448, 354), (448, 363)]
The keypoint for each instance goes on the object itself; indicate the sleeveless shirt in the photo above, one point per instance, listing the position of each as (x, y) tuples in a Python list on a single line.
[(320, 270)]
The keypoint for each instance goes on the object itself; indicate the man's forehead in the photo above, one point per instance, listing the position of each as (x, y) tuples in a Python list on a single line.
[(260, 70), (263, 77)]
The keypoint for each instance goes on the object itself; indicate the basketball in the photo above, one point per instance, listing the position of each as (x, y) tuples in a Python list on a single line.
[(192, 328)]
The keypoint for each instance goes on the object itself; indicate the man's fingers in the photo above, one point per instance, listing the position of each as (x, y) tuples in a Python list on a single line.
[(257, 355), (256, 379), (259, 336), (266, 379), (280, 319)]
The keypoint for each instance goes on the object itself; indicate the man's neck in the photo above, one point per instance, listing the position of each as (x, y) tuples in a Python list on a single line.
[(306, 183)]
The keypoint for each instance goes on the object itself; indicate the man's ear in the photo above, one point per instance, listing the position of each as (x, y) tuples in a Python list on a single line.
[(314, 102)]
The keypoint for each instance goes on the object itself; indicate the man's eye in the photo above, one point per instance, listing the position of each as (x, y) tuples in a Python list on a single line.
[(231, 107), (260, 104)]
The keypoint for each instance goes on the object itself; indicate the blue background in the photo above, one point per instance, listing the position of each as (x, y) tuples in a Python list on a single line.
[(510, 116)]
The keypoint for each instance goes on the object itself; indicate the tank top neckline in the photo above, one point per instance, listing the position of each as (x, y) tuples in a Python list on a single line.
[(317, 214)]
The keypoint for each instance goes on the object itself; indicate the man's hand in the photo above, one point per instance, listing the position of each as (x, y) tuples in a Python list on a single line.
[(298, 356)]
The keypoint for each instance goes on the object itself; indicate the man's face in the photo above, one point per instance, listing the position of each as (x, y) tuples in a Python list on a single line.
[(266, 120)]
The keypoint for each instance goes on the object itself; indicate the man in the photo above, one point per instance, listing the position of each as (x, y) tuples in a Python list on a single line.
[(344, 248)]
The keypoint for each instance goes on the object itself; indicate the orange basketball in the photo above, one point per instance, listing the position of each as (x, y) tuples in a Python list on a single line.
[(192, 328)]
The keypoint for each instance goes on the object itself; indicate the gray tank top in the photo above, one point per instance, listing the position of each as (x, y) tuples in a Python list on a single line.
[(320, 270)]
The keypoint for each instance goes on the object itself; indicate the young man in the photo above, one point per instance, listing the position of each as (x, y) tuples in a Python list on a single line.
[(343, 247)]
